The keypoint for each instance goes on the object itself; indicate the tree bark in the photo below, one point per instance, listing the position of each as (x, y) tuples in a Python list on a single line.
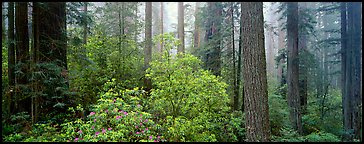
[(22, 53), (162, 43), (148, 41), (292, 67), (236, 87), (181, 48), (255, 75), (85, 29), (11, 57), (196, 33), (343, 61)]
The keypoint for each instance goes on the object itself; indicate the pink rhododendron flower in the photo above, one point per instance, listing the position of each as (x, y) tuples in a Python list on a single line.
[(97, 133), (94, 120), (125, 113), (142, 131), (103, 130), (138, 105), (109, 129), (76, 139), (106, 111), (140, 123), (93, 127), (155, 141), (136, 126), (80, 131), (118, 117), (159, 137), (92, 113), (146, 129), (137, 132), (146, 120), (150, 137)]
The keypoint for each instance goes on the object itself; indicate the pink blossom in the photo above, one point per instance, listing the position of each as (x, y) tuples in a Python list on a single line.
[(76, 139), (150, 137), (93, 127), (118, 117), (97, 133), (94, 120), (140, 123), (92, 113), (146, 129), (137, 132), (125, 113), (114, 100), (146, 120), (136, 127), (159, 137), (138, 105), (80, 131), (141, 115), (155, 141), (103, 130), (142, 131), (109, 129), (106, 111)]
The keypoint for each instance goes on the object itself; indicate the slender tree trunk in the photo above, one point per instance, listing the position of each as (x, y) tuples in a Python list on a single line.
[(85, 30), (343, 61), (148, 41), (236, 87), (35, 58), (255, 75), (181, 48), (22, 52), (238, 73), (196, 33), (11, 57), (292, 67), (162, 43)]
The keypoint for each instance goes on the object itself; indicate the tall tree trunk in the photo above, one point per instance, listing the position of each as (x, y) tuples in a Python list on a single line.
[(196, 33), (11, 57), (2, 22), (236, 87), (303, 50), (22, 52), (354, 57), (255, 75), (181, 48), (85, 30), (148, 41), (238, 73), (292, 67), (343, 61), (162, 43)]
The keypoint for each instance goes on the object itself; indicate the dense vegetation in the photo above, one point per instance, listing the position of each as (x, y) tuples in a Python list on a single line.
[(81, 72)]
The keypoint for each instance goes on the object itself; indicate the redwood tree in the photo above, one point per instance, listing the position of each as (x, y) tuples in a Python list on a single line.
[(255, 75)]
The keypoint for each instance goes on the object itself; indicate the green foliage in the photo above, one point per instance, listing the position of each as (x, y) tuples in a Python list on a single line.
[(112, 119), (100, 61), (190, 103)]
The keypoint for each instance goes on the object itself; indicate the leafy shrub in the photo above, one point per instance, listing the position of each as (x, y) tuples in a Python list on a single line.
[(112, 119), (322, 137), (190, 103)]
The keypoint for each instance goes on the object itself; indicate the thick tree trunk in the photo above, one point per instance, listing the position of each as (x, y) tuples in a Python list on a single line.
[(353, 77), (11, 58), (255, 78), (22, 53), (292, 67), (303, 82), (181, 37), (148, 41)]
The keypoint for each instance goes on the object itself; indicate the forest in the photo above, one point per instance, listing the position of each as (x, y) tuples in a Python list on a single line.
[(181, 72)]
